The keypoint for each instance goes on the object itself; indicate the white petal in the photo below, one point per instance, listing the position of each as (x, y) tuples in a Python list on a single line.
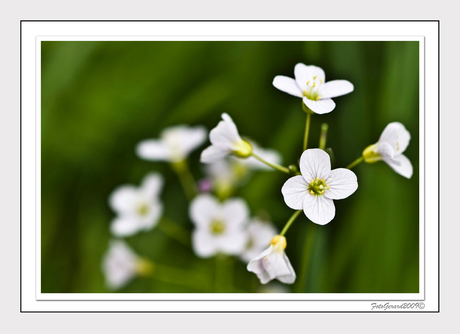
[(287, 85), (304, 73), (235, 212), (335, 88), (225, 134), (315, 163), (319, 209), (294, 191), (153, 150), (401, 165), (256, 266), (203, 210), (342, 182), (191, 138), (151, 185), (289, 278), (125, 226), (233, 243), (397, 136), (323, 106), (213, 153), (124, 198), (386, 151), (150, 220), (118, 264), (203, 243)]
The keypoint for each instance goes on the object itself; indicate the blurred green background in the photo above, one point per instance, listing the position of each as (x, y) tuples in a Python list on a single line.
[(99, 99)]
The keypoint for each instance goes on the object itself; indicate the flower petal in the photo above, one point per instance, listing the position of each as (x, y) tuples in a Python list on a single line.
[(213, 153), (151, 185), (123, 199), (315, 163), (294, 191), (397, 136), (225, 134), (150, 220), (342, 182), (118, 264), (304, 73), (322, 106), (287, 85), (203, 243), (203, 209), (233, 243), (191, 138), (289, 278), (125, 226), (401, 165), (335, 88), (256, 266), (152, 149), (235, 212), (277, 265), (319, 209)]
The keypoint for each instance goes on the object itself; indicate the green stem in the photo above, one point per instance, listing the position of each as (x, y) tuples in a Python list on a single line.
[(175, 231), (290, 221), (323, 137), (224, 273), (273, 165), (307, 130), (306, 256), (186, 178), (354, 163)]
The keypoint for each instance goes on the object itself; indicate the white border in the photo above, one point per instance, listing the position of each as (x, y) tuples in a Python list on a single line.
[(34, 32)]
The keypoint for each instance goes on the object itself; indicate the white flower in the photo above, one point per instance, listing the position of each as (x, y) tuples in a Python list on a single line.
[(218, 227), (260, 233), (174, 145), (309, 84), (139, 208), (392, 143), (120, 265), (314, 190), (273, 263), (225, 140)]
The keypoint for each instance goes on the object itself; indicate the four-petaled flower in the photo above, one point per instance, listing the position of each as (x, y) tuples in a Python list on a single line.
[(309, 84), (174, 145), (392, 143), (225, 140), (273, 263), (120, 265), (317, 187), (260, 233), (219, 227), (138, 208)]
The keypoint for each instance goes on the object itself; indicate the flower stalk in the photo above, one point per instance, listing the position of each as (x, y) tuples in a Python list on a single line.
[(174, 231), (289, 222), (186, 178), (307, 130), (323, 136), (273, 165), (356, 162)]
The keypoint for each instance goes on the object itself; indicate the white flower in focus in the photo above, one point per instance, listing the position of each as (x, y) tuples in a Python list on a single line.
[(317, 187), (219, 227), (120, 265), (174, 145), (260, 233), (225, 140), (273, 263), (392, 143), (138, 208), (310, 85)]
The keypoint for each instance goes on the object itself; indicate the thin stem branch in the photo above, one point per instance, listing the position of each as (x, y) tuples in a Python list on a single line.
[(186, 178), (354, 163), (307, 131), (273, 165), (290, 221), (175, 231), (323, 137)]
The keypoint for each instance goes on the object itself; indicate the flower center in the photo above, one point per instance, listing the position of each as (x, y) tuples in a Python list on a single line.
[(217, 227), (311, 92), (317, 187), (142, 209)]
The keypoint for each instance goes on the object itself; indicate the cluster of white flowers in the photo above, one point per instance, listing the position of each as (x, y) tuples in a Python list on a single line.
[(222, 223)]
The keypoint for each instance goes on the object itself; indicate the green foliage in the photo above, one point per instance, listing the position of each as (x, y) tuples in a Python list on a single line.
[(99, 99)]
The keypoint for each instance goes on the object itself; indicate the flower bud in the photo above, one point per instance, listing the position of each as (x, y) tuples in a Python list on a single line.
[(242, 149), (371, 155)]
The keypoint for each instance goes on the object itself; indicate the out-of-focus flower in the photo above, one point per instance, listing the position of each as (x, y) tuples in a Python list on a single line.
[(137, 208), (120, 265), (392, 143), (174, 145), (310, 85), (260, 233), (317, 187), (225, 140), (273, 263), (219, 227), (273, 287)]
